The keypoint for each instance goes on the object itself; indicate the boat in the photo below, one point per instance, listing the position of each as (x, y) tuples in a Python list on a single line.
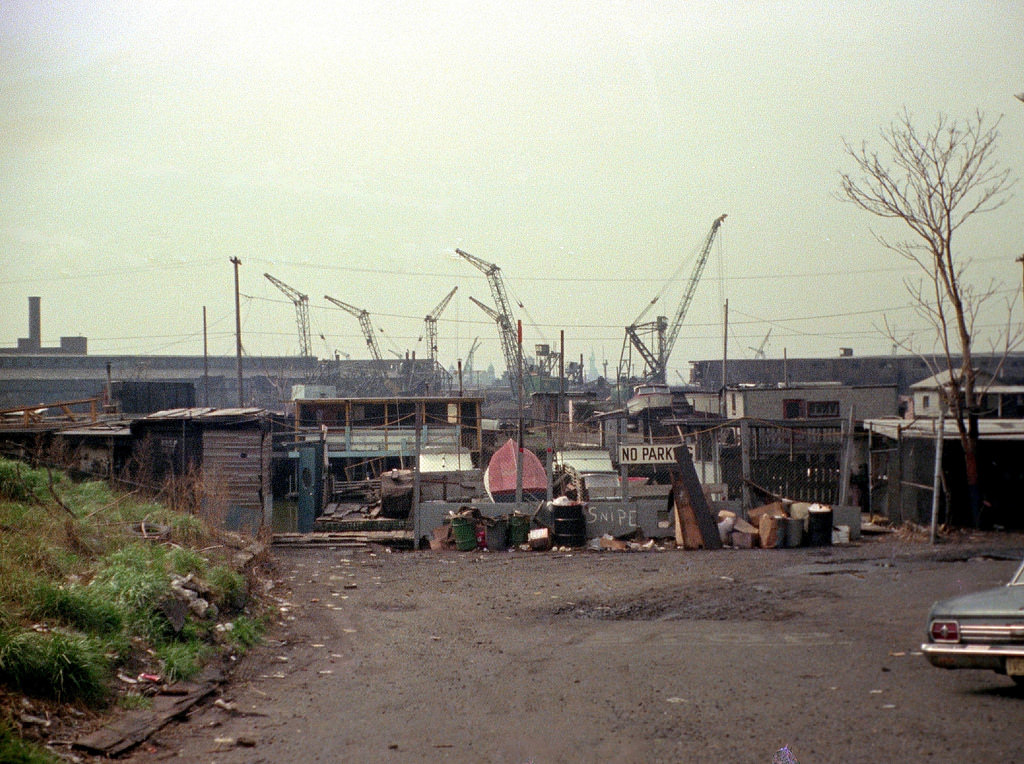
[(500, 475), (649, 396)]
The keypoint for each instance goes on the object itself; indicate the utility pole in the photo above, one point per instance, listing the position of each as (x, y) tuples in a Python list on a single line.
[(238, 333), (206, 364), (519, 379), (1021, 261), (722, 408), (561, 385)]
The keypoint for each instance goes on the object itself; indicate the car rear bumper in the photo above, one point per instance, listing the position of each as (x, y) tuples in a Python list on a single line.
[(961, 656)]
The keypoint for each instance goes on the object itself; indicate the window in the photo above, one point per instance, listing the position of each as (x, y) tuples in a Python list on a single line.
[(926, 402), (822, 409), (793, 409)]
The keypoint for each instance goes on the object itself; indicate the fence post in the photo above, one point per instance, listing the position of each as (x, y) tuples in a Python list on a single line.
[(940, 435), (899, 477), (846, 428), (416, 479), (745, 461)]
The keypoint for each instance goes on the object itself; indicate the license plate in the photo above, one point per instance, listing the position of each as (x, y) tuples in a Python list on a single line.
[(1015, 666)]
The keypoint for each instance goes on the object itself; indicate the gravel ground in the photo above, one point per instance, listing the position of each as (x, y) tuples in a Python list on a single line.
[(615, 656)]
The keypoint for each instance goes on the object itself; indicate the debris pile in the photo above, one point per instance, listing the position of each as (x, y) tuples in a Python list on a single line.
[(789, 524)]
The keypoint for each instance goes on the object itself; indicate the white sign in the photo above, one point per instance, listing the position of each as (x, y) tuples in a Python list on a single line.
[(647, 454)]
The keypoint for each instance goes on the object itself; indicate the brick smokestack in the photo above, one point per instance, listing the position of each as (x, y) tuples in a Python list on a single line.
[(34, 323)]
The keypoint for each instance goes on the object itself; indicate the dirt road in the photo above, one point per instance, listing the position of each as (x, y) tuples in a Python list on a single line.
[(624, 657)]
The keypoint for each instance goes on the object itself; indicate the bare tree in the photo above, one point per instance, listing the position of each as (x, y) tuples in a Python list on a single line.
[(934, 182)]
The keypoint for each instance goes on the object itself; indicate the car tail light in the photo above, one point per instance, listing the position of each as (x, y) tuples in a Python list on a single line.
[(945, 631)]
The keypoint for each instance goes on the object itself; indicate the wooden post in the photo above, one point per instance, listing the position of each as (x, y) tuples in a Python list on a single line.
[(416, 481), (846, 457), (899, 473), (940, 434), (745, 462)]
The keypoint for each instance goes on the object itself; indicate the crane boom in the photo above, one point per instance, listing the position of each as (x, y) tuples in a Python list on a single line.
[(431, 322), (691, 287), (301, 302), (502, 316), (468, 365), (654, 340), (486, 309), (364, 324)]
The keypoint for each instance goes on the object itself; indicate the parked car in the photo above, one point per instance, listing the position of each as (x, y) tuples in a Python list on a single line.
[(980, 631)]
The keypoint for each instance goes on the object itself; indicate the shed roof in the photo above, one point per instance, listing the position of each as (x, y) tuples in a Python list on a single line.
[(202, 413), (988, 429)]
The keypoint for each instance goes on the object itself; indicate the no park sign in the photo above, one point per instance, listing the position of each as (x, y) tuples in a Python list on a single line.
[(647, 454)]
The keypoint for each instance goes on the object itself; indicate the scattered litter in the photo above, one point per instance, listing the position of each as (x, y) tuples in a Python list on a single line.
[(889, 705), (897, 654), (325, 671), (876, 692), (224, 705), (784, 756), (317, 644), (36, 721), (675, 700)]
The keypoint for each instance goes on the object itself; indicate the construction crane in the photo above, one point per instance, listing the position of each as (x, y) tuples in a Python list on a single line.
[(654, 340), (301, 314), (364, 324), (759, 350), (502, 316), (468, 365), (431, 322)]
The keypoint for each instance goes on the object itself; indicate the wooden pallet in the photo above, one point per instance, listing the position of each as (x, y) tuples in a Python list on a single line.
[(351, 539)]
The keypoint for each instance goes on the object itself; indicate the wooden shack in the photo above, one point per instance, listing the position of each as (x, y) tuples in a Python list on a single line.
[(227, 452)]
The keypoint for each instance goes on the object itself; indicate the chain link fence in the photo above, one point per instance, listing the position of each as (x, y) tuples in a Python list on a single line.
[(759, 461)]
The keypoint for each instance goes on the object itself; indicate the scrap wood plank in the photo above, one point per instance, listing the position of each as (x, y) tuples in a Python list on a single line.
[(686, 491), (133, 727), (687, 531)]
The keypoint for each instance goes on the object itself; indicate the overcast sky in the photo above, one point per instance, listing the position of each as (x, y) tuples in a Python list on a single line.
[(585, 147)]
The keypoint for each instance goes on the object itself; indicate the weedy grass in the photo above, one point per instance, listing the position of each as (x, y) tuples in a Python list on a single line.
[(245, 633), (182, 660), (20, 483), (82, 607), (14, 750), (59, 665), (134, 701), (83, 594), (230, 588)]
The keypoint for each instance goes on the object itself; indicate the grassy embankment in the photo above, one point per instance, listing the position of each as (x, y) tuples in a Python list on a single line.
[(87, 604)]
